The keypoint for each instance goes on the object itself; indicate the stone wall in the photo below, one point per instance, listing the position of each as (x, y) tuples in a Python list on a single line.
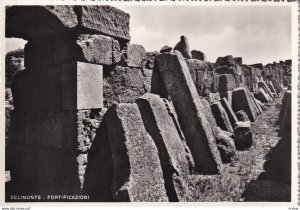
[(84, 121)]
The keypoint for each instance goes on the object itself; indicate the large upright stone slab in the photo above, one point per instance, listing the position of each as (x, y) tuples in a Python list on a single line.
[(221, 117), (164, 129), (137, 170), (196, 128), (241, 101), (231, 115), (263, 85), (208, 114), (256, 103), (262, 96), (284, 120)]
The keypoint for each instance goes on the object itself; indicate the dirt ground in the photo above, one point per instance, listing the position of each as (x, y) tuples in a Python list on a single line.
[(257, 162)]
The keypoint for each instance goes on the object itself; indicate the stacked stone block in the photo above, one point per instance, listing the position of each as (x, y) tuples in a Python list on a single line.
[(59, 97)]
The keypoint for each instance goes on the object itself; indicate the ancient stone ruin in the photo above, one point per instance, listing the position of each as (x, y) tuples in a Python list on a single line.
[(89, 113)]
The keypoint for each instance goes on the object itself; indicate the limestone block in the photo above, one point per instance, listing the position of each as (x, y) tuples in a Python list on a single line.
[(226, 146), (230, 113), (82, 85), (42, 171), (134, 56), (71, 86), (258, 106), (226, 82), (196, 54), (99, 170), (263, 96), (63, 48), (165, 48), (104, 19), (242, 116), (241, 101), (164, 129), (228, 96), (243, 135), (196, 128), (30, 22), (214, 97), (137, 171), (183, 47), (285, 113), (208, 114), (125, 84), (221, 117)]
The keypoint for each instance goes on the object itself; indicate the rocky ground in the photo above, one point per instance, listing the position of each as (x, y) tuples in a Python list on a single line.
[(247, 165)]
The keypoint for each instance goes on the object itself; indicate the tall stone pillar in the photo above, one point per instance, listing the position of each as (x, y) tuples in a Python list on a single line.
[(59, 97)]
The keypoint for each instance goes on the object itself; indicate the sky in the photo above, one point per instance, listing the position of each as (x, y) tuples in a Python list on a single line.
[(258, 34)]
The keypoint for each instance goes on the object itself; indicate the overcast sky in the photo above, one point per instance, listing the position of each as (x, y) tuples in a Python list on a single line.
[(256, 33)]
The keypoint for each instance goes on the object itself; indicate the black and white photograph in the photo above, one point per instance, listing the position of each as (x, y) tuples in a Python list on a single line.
[(113, 103)]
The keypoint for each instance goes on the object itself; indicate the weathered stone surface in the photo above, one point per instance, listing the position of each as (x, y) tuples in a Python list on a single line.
[(183, 47), (195, 126), (221, 117), (231, 116), (71, 86), (227, 60), (63, 48), (214, 97), (226, 82), (196, 54), (226, 146), (30, 22), (262, 106), (228, 96), (166, 48), (262, 96), (258, 106), (271, 87), (241, 101), (44, 129), (125, 84), (41, 171), (243, 135), (134, 56), (285, 113), (253, 104), (208, 114), (242, 116), (104, 19), (238, 60), (224, 70), (164, 129), (267, 191), (202, 75), (97, 49), (14, 62), (276, 85), (137, 171), (99, 170), (85, 89), (150, 59), (263, 85)]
